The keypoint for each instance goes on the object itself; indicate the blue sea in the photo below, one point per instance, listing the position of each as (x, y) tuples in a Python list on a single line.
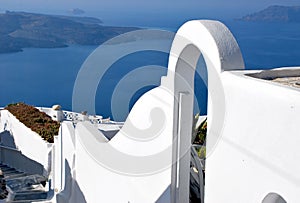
[(44, 77)]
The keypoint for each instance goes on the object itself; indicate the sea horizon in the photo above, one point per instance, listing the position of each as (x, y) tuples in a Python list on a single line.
[(42, 77)]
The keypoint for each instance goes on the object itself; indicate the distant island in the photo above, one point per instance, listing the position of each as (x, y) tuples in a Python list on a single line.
[(20, 29), (275, 14)]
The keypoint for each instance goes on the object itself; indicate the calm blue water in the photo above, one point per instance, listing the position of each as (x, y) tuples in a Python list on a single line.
[(44, 77), (41, 77), (268, 45)]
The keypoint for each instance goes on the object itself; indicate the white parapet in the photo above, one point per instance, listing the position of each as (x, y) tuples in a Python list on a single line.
[(28, 142), (257, 150)]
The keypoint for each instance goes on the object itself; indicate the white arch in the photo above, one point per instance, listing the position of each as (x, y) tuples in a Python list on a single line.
[(221, 53)]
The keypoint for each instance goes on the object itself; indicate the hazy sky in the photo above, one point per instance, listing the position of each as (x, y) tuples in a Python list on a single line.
[(139, 11)]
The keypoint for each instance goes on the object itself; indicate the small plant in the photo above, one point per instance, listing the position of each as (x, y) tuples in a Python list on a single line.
[(199, 136), (201, 152), (36, 120), (201, 133)]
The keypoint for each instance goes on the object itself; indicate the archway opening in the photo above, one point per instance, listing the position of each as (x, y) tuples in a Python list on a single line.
[(191, 70)]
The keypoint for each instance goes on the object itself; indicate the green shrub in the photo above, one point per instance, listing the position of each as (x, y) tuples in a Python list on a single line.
[(36, 120)]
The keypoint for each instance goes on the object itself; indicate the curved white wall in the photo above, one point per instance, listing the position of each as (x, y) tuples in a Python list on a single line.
[(99, 183)]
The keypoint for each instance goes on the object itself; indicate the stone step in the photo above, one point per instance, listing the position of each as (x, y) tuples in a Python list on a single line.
[(28, 196), (26, 182), (14, 175), (20, 187), (10, 172), (7, 170)]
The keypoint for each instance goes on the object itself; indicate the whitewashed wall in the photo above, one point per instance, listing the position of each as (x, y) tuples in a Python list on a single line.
[(258, 151), (125, 169), (27, 141)]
